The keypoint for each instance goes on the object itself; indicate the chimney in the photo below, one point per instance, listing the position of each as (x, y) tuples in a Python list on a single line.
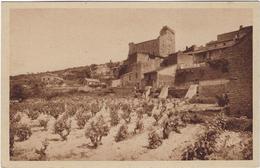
[(240, 27)]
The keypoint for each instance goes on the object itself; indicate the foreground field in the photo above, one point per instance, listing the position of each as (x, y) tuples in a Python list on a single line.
[(125, 129)]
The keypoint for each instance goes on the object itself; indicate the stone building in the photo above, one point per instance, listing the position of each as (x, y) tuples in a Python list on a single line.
[(92, 82), (102, 72), (213, 50), (163, 76), (147, 56), (51, 79), (161, 46), (135, 71), (223, 66), (240, 87)]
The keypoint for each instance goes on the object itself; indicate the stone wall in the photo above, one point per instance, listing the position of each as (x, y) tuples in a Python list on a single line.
[(170, 60), (239, 75), (240, 68), (165, 80), (184, 59), (230, 35), (161, 46), (190, 75), (136, 71), (138, 57), (212, 90), (149, 47)]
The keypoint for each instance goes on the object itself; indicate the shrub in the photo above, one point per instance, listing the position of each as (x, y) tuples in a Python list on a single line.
[(157, 117), (96, 131), (82, 117), (50, 95), (44, 123), (171, 124), (55, 109), (33, 114), (126, 113), (139, 126), (62, 127), (188, 154), (238, 124), (71, 109), (122, 133), (140, 113), (41, 151), (23, 132), (248, 150), (222, 100), (12, 133), (114, 116), (95, 108), (201, 148), (18, 92), (14, 119), (154, 140), (148, 108), (195, 119), (185, 119)]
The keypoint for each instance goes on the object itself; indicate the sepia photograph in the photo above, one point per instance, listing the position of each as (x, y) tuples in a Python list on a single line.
[(136, 83)]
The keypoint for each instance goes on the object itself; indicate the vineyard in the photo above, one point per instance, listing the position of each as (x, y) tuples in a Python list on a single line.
[(81, 127)]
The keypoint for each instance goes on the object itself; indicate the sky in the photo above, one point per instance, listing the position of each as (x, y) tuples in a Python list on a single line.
[(53, 39)]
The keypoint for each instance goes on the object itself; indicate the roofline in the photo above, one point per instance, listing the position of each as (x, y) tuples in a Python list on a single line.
[(246, 27), (92, 79), (145, 41), (218, 41), (170, 29), (161, 68), (137, 52)]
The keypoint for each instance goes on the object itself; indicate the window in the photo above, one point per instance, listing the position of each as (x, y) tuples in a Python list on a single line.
[(136, 75), (224, 44)]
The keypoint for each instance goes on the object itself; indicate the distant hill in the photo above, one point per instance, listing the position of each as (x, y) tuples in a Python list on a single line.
[(104, 72)]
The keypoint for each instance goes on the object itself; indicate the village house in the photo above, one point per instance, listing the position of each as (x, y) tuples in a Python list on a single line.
[(116, 83), (92, 82), (213, 50), (194, 61), (222, 66), (51, 79), (102, 72), (163, 76)]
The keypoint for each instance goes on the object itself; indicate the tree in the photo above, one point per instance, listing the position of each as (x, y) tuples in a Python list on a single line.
[(18, 92)]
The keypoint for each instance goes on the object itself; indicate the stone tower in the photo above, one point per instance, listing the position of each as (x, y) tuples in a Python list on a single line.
[(166, 41)]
